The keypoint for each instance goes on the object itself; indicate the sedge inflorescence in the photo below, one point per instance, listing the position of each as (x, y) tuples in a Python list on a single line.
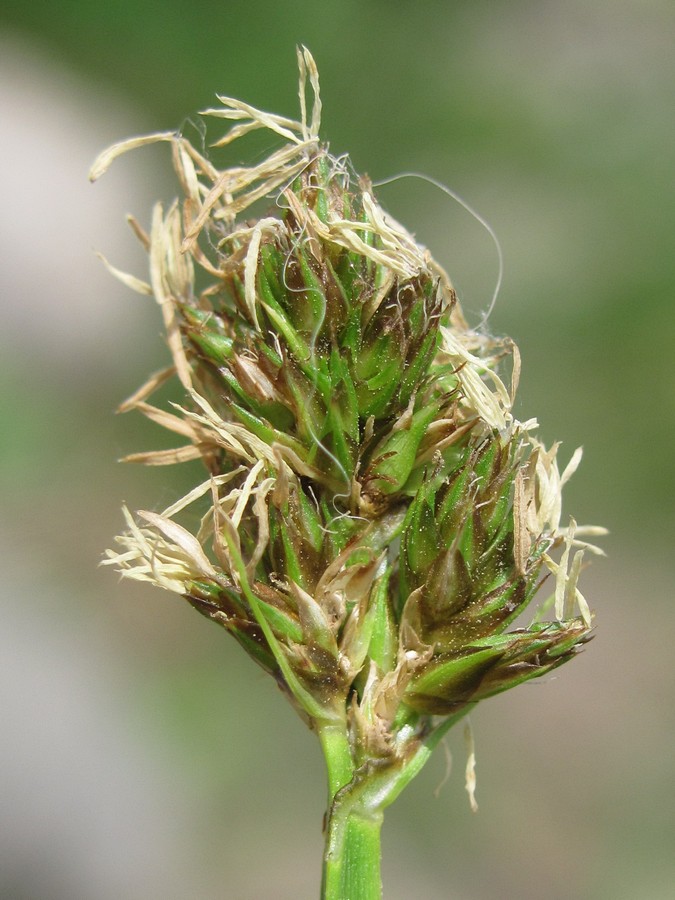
[(373, 519)]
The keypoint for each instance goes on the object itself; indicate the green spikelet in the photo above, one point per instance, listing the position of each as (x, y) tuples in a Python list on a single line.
[(374, 519)]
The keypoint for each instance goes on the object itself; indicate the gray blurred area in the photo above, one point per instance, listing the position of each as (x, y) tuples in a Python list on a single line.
[(142, 756)]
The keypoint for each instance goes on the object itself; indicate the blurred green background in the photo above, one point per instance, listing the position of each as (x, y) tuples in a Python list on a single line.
[(142, 755)]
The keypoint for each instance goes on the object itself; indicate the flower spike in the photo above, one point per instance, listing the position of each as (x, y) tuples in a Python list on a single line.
[(374, 520)]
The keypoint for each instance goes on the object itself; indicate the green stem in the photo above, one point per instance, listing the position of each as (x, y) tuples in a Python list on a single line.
[(356, 804), (352, 860), (351, 868), (337, 752)]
